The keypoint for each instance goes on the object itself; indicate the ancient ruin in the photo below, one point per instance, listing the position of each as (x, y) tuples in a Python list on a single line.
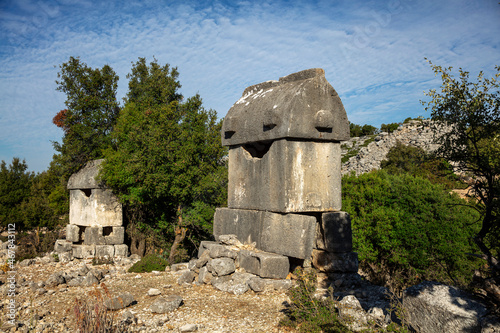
[(95, 226), (284, 190)]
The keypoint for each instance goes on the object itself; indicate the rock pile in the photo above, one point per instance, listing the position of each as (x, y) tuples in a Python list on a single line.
[(371, 150), (233, 267)]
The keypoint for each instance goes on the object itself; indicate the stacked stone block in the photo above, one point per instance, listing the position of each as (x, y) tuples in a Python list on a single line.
[(95, 226), (284, 189)]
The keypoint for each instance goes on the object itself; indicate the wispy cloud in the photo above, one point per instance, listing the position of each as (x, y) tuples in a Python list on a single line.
[(372, 52)]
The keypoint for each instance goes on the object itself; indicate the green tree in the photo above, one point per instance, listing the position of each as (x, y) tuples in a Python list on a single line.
[(358, 130), (415, 161), (15, 183), (472, 145), (90, 114), (167, 163), (389, 128), (40, 209), (406, 229)]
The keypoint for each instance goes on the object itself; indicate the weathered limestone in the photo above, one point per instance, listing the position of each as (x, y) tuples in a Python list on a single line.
[(84, 251), (116, 235), (334, 232), (284, 189), (95, 218), (301, 105), (73, 233), (264, 264), (90, 207), (291, 177), (93, 235), (335, 262), (291, 234), (102, 251), (62, 246), (434, 307), (121, 250)]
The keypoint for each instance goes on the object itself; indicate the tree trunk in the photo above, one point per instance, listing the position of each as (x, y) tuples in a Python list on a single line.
[(138, 245), (180, 234)]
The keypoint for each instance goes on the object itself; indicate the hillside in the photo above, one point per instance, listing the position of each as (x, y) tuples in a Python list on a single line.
[(363, 154)]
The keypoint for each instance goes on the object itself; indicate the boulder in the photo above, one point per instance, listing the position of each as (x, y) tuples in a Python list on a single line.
[(119, 302), (223, 266), (434, 307), (166, 304)]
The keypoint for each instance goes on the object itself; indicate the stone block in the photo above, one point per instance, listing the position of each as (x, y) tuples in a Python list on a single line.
[(291, 235), (91, 207), (83, 251), (334, 233), (335, 262), (285, 176), (223, 266), (104, 251), (93, 236), (216, 250), (264, 264), (114, 235), (62, 245), (245, 224), (300, 105), (121, 250), (86, 178), (73, 233)]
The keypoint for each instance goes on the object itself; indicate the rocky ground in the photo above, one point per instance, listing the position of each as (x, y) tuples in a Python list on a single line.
[(49, 306)]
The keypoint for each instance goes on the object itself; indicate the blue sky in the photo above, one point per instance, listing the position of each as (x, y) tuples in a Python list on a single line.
[(372, 52)]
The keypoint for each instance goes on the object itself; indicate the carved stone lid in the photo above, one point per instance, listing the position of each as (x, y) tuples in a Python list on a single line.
[(301, 105), (86, 177)]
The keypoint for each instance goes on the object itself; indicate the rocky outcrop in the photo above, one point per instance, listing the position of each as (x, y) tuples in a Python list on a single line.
[(368, 151)]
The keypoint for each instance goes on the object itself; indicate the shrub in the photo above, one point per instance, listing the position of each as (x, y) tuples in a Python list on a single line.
[(308, 313), (415, 161), (149, 263), (358, 130), (406, 229), (389, 128), (92, 316)]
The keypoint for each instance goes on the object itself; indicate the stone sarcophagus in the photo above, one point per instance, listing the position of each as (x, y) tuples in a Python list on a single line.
[(284, 188), (90, 203), (95, 217), (284, 145)]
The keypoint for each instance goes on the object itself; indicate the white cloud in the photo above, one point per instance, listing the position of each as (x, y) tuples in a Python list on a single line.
[(373, 54)]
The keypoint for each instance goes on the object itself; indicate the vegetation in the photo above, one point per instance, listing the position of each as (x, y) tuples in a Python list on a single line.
[(415, 161), (472, 110), (308, 313), (15, 182), (92, 316), (166, 163), (406, 229), (355, 151), (358, 130), (149, 263), (389, 128), (92, 111)]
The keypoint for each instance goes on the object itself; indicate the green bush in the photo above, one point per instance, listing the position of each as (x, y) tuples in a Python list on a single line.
[(149, 263), (389, 128), (358, 130), (406, 229), (415, 161)]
